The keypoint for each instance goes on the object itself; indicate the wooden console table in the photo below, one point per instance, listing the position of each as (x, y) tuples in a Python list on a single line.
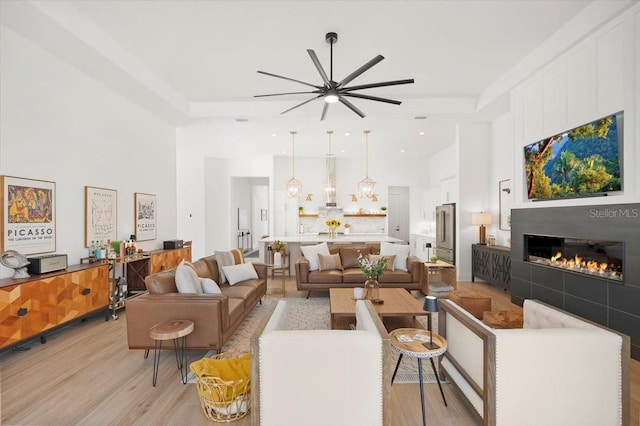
[(33, 306), (439, 277)]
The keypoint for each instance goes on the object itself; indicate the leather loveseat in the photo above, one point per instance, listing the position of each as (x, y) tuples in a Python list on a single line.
[(351, 276), (215, 316)]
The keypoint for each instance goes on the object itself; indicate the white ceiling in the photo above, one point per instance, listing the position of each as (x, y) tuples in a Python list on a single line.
[(186, 59)]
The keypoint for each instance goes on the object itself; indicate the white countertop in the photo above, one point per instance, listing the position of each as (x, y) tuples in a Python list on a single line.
[(358, 238)]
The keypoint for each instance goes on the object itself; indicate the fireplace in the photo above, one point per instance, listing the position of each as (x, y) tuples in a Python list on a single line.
[(598, 234), (598, 258)]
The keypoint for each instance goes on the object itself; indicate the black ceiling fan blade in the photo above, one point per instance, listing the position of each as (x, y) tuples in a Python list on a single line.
[(381, 84), (290, 79), (371, 98), (318, 65), (302, 103), (351, 106), (360, 70), (288, 93), (325, 108)]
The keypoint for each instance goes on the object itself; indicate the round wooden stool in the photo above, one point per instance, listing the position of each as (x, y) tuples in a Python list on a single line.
[(177, 330)]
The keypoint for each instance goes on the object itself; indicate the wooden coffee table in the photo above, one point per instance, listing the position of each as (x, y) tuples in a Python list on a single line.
[(398, 302)]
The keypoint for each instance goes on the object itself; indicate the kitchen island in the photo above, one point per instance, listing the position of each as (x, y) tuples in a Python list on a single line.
[(294, 242)]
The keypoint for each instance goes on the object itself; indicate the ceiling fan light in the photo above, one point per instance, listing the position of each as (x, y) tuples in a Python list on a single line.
[(331, 98)]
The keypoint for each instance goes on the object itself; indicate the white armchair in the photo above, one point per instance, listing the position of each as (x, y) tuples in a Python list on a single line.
[(558, 370), (321, 377)]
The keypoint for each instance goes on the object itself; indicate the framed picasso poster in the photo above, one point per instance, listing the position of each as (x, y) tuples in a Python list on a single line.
[(145, 216), (100, 214), (28, 215)]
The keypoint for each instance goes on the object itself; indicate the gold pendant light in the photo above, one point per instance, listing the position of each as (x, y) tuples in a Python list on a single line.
[(367, 185), (293, 185), (329, 183)]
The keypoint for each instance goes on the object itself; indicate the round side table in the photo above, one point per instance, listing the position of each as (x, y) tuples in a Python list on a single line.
[(416, 349), (177, 331)]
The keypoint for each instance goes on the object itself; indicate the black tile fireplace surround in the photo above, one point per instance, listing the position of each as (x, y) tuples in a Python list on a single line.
[(614, 303)]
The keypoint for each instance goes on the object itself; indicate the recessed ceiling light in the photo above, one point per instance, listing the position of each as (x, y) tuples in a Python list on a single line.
[(347, 134), (421, 133), (402, 150), (274, 134), (344, 150), (284, 151)]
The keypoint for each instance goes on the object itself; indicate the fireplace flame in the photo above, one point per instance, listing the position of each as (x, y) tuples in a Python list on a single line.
[(577, 263)]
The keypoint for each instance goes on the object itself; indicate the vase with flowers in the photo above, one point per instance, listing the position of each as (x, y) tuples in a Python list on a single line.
[(333, 226), (372, 269)]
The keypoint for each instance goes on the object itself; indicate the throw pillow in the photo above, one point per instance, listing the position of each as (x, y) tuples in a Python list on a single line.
[(241, 272), (390, 260), (186, 279), (227, 258), (311, 254), (209, 286), (400, 250), (327, 262), (349, 256)]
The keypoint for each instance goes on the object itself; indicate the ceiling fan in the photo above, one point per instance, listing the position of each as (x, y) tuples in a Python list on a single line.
[(332, 91)]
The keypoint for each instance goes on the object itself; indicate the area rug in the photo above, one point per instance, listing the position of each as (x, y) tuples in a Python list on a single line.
[(313, 314)]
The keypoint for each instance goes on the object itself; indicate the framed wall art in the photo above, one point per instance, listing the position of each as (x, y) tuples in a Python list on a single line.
[(145, 216), (100, 214), (28, 215), (505, 197)]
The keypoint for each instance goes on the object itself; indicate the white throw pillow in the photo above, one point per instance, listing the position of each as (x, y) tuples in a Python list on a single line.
[(241, 272), (209, 286), (311, 254), (400, 250), (187, 280)]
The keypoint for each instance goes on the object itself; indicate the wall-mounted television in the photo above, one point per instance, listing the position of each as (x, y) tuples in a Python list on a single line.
[(581, 162)]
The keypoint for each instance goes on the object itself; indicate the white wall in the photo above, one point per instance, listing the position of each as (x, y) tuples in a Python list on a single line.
[(62, 126), (502, 168), (596, 77)]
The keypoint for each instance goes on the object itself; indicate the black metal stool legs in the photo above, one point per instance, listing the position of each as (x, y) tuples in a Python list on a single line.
[(396, 370), (156, 360), (439, 384)]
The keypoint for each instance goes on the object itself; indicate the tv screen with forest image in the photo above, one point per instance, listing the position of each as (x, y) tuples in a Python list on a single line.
[(583, 161)]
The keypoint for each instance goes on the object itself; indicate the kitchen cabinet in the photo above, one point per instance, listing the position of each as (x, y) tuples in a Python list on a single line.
[(419, 246), (491, 264), (33, 306)]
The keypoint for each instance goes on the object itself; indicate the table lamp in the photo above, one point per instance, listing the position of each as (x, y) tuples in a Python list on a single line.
[(430, 305), (481, 219)]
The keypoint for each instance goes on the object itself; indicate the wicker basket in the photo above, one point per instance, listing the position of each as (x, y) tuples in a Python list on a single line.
[(223, 400)]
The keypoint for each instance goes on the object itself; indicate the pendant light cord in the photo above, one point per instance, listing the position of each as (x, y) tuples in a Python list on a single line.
[(293, 153)]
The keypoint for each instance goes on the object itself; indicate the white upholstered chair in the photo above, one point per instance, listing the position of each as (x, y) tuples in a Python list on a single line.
[(321, 377)]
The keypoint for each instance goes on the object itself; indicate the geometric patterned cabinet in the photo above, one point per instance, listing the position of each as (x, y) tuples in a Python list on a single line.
[(167, 259), (31, 306), (158, 260), (492, 264)]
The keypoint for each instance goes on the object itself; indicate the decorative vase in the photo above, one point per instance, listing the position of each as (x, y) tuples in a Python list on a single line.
[(371, 287), (277, 258), (332, 233)]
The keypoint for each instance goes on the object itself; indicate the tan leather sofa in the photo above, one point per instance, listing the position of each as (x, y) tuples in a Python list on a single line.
[(352, 276), (215, 316)]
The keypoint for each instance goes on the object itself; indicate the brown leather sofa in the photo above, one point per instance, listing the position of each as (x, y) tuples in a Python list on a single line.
[(215, 316), (352, 276)]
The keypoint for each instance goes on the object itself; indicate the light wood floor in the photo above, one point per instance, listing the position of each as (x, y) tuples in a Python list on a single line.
[(85, 374)]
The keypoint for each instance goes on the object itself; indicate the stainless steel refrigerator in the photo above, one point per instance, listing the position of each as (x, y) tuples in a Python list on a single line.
[(446, 233)]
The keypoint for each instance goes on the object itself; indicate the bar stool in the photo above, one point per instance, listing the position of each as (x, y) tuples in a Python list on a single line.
[(177, 331)]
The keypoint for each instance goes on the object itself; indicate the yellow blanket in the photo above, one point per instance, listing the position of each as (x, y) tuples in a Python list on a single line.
[(224, 370)]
